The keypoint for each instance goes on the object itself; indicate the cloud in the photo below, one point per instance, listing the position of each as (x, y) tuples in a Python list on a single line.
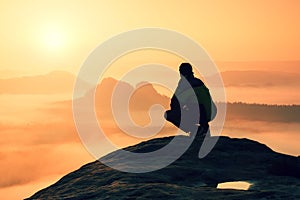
[(280, 136), (56, 82), (32, 151), (26, 165), (259, 79), (38, 133), (50, 145)]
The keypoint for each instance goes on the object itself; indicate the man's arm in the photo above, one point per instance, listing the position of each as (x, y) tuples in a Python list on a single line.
[(174, 101)]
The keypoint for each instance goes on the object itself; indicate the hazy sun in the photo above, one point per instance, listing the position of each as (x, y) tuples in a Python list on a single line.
[(54, 38)]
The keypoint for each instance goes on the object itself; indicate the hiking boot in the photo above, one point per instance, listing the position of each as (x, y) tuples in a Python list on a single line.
[(203, 130)]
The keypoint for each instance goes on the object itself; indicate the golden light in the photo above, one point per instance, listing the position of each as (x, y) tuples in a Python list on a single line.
[(54, 38), (236, 185)]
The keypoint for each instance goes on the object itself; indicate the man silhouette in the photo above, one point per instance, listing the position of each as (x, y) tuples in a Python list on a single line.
[(191, 99)]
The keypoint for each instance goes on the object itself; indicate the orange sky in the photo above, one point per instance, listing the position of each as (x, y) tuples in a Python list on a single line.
[(47, 35), (38, 37)]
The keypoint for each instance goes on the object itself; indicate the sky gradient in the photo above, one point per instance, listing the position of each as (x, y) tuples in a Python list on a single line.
[(47, 35)]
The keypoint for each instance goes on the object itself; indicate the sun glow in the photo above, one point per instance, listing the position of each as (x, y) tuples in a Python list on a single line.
[(54, 38)]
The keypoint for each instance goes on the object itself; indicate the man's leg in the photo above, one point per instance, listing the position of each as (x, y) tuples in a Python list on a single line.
[(174, 116), (203, 121), (203, 129)]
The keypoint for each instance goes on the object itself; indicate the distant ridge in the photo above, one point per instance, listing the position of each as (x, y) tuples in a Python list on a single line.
[(55, 82), (263, 112)]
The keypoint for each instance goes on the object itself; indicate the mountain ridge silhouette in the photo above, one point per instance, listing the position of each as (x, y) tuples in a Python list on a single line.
[(272, 174)]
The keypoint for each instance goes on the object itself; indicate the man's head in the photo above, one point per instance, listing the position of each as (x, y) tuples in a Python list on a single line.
[(186, 69)]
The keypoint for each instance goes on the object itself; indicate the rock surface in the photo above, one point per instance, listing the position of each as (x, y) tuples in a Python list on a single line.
[(273, 175)]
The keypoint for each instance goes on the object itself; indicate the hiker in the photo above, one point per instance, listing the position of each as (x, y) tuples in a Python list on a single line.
[(190, 99)]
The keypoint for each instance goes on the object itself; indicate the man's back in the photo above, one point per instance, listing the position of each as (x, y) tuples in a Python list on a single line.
[(191, 95)]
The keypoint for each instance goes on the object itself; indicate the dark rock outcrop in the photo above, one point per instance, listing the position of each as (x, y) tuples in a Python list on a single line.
[(273, 175)]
